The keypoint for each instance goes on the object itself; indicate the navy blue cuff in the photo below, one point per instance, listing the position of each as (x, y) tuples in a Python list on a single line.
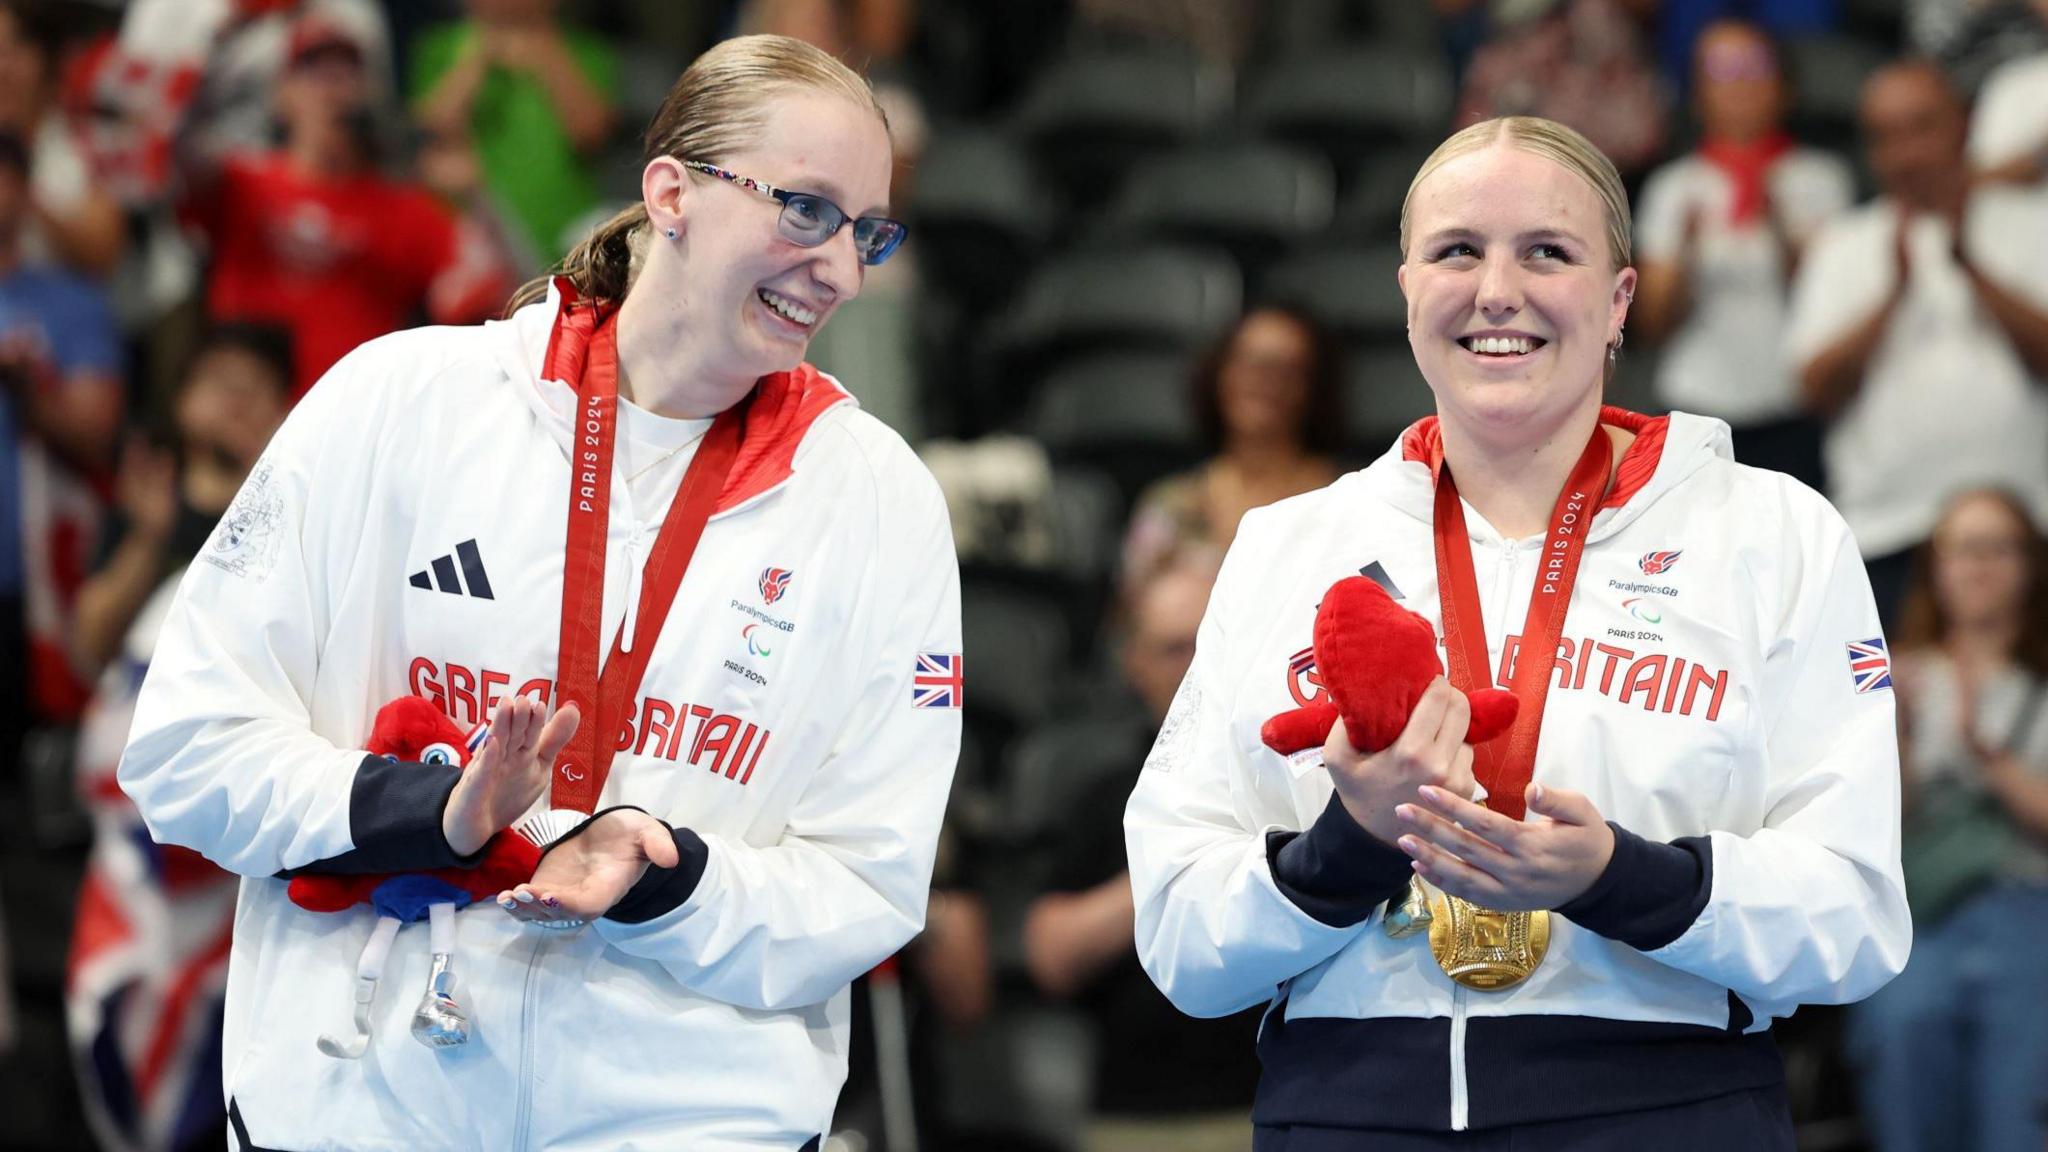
[(1336, 871), (394, 818), (1649, 894), (661, 890)]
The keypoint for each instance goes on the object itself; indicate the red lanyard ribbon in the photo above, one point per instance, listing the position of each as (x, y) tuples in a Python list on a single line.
[(1504, 766), (581, 769)]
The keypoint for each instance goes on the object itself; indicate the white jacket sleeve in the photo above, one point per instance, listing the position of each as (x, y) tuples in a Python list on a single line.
[(790, 924), (222, 757), (1811, 908), (1216, 930)]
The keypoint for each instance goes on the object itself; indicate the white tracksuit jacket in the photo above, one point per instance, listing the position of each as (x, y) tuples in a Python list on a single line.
[(806, 789), (1703, 699)]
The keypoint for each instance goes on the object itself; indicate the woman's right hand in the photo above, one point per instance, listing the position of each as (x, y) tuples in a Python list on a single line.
[(507, 774), (1430, 750)]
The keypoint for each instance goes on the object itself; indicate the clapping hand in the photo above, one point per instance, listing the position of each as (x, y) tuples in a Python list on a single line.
[(147, 487), (1431, 750), (507, 774), (590, 870)]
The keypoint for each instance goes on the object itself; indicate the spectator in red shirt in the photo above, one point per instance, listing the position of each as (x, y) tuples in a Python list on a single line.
[(312, 237)]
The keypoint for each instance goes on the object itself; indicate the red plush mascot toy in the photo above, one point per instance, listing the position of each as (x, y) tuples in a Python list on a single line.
[(412, 730), (1376, 659)]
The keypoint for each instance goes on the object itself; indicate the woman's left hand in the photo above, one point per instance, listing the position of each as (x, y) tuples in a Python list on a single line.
[(583, 876), (1473, 852)]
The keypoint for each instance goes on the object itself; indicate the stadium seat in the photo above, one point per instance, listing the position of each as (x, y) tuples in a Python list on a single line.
[(1384, 393), (1161, 299), (1827, 84), (1088, 521), (1127, 415), (1370, 209), (1018, 643), (979, 215), (1352, 289), (1056, 764), (1352, 102), (1311, 25), (1090, 115), (1408, 26), (1253, 199)]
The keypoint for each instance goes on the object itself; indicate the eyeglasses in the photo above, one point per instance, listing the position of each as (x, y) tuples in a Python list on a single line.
[(809, 220)]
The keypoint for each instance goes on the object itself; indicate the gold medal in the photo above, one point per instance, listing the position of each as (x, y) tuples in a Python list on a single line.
[(1409, 916), (1484, 949), (1479, 947)]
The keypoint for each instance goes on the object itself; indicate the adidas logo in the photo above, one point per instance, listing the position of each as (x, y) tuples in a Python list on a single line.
[(1378, 575), (443, 570)]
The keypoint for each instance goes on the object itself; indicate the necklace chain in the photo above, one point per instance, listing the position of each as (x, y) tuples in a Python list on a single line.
[(659, 460)]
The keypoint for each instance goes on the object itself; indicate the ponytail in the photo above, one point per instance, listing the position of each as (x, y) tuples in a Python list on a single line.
[(601, 267)]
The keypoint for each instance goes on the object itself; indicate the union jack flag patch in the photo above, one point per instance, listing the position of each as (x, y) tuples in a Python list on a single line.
[(1869, 667), (938, 681)]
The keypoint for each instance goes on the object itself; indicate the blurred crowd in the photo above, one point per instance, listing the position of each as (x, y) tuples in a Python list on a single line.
[(1150, 286)]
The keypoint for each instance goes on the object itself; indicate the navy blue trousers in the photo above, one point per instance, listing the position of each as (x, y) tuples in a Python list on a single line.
[(1758, 1120)]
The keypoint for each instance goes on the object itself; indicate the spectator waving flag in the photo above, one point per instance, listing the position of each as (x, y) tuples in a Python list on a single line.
[(149, 945)]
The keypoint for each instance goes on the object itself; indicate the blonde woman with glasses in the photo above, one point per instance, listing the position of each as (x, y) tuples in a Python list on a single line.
[(710, 612)]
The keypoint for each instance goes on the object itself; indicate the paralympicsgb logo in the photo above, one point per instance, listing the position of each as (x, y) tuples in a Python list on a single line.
[(774, 582), (1658, 563)]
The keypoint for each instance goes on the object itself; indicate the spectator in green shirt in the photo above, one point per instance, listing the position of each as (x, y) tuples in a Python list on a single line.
[(535, 99)]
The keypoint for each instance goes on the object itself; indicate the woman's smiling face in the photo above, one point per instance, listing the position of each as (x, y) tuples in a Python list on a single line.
[(1513, 295), (750, 295)]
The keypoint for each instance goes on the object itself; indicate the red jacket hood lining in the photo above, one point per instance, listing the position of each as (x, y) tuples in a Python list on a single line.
[(781, 408), (1423, 443)]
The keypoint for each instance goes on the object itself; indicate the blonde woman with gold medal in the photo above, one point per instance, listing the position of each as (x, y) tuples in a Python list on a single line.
[(1576, 936)]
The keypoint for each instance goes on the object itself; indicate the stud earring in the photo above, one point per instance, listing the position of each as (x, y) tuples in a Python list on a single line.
[(669, 232)]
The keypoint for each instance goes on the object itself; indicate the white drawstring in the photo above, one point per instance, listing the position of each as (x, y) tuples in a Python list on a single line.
[(632, 591)]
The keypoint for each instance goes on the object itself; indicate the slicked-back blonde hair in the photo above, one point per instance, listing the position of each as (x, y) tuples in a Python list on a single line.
[(718, 106), (1552, 141)]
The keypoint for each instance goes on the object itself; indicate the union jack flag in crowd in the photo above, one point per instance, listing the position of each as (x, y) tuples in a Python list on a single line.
[(149, 946), (1869, 666), (939, 680)]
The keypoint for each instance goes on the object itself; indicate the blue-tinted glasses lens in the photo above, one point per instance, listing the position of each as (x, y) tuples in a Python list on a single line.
[(810, 220), (875, 238)]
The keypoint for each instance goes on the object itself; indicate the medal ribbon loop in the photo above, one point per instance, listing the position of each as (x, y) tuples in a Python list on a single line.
[(604, 700), (1505, 765)]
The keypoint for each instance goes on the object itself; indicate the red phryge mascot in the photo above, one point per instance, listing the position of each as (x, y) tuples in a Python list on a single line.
[(412, 730), (1376, 658)]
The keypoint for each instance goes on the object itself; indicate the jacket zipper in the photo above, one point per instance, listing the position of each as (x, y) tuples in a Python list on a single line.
[(1460, 1101), (522, 1113)]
